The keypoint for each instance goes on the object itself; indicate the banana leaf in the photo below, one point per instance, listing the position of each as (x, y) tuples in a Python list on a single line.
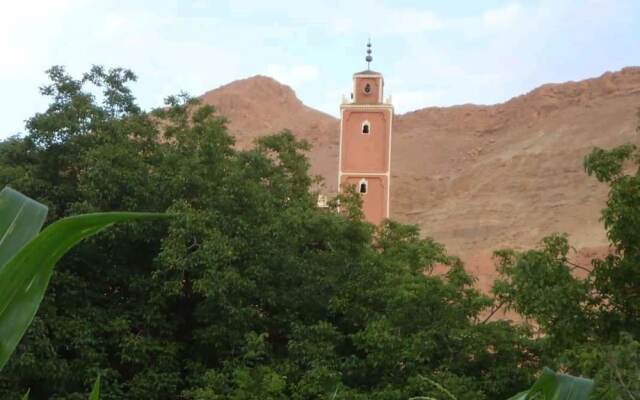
[(553, 386), (95, 392), (20, 221), (27, 260)]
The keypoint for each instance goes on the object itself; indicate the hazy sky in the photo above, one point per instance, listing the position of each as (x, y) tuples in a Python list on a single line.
[(431, 52)]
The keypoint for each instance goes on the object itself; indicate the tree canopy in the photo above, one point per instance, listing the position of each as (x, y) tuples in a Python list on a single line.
[(588, 324), (253, 292)]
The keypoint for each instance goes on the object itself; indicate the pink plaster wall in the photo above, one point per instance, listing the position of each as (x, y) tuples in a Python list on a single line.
[(374, 202), (365, 153), (360, 97)]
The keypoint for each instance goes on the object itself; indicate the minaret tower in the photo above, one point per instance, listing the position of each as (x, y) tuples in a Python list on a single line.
[(365, 142)]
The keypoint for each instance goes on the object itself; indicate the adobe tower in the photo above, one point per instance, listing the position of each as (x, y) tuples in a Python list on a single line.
[(365, 143)]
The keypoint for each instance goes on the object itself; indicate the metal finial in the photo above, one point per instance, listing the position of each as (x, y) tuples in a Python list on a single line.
[(369, 58)]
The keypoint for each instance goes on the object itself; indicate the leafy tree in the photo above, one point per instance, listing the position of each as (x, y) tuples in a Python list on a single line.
[(588, 325), (27, 259), (254, 292), (87, 314)]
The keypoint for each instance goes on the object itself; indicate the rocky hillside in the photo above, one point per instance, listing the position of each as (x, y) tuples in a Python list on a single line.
[(260, 105), (474, 177)]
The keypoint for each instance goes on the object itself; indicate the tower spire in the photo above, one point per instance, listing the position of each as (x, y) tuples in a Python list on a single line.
[(369, 58)]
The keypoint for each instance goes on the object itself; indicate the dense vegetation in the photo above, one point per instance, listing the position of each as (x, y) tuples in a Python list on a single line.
[(588, 325), (255, 293), (28, 256)]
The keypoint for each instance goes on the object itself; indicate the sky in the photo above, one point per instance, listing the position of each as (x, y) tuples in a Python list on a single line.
[(432, 53)]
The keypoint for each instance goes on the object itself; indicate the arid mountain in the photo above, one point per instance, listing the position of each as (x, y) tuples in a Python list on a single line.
[(260, 105), (475, 178)]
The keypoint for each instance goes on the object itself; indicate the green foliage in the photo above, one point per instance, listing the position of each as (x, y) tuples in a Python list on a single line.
[(607, 165), (615, 367), (581, 311), (95, 391), (553, 386), (253, 292), (21, 219), (540, 284), (447, 394), (616, 278), (27, 260)]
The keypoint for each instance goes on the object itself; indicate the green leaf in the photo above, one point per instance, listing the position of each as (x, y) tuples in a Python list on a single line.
[(520, 396), (95, 392), (440, 388), (554, 386), (20, 221), (25, 277), (26, 395)]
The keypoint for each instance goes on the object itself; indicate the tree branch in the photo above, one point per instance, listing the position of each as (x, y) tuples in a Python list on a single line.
[(492, 313), (574, 265)]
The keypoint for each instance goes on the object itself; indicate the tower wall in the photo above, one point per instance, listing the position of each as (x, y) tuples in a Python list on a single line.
[(365, 152), (376, 85), (375, 204)]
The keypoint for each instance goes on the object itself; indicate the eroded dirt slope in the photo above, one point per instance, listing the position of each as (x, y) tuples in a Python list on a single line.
[(475, 178)]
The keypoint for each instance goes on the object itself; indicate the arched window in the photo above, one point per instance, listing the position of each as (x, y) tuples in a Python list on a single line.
[(366, 128), (363, 185)]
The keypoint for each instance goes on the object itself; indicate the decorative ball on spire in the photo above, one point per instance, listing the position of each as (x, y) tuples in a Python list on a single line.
[(368, 58)]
